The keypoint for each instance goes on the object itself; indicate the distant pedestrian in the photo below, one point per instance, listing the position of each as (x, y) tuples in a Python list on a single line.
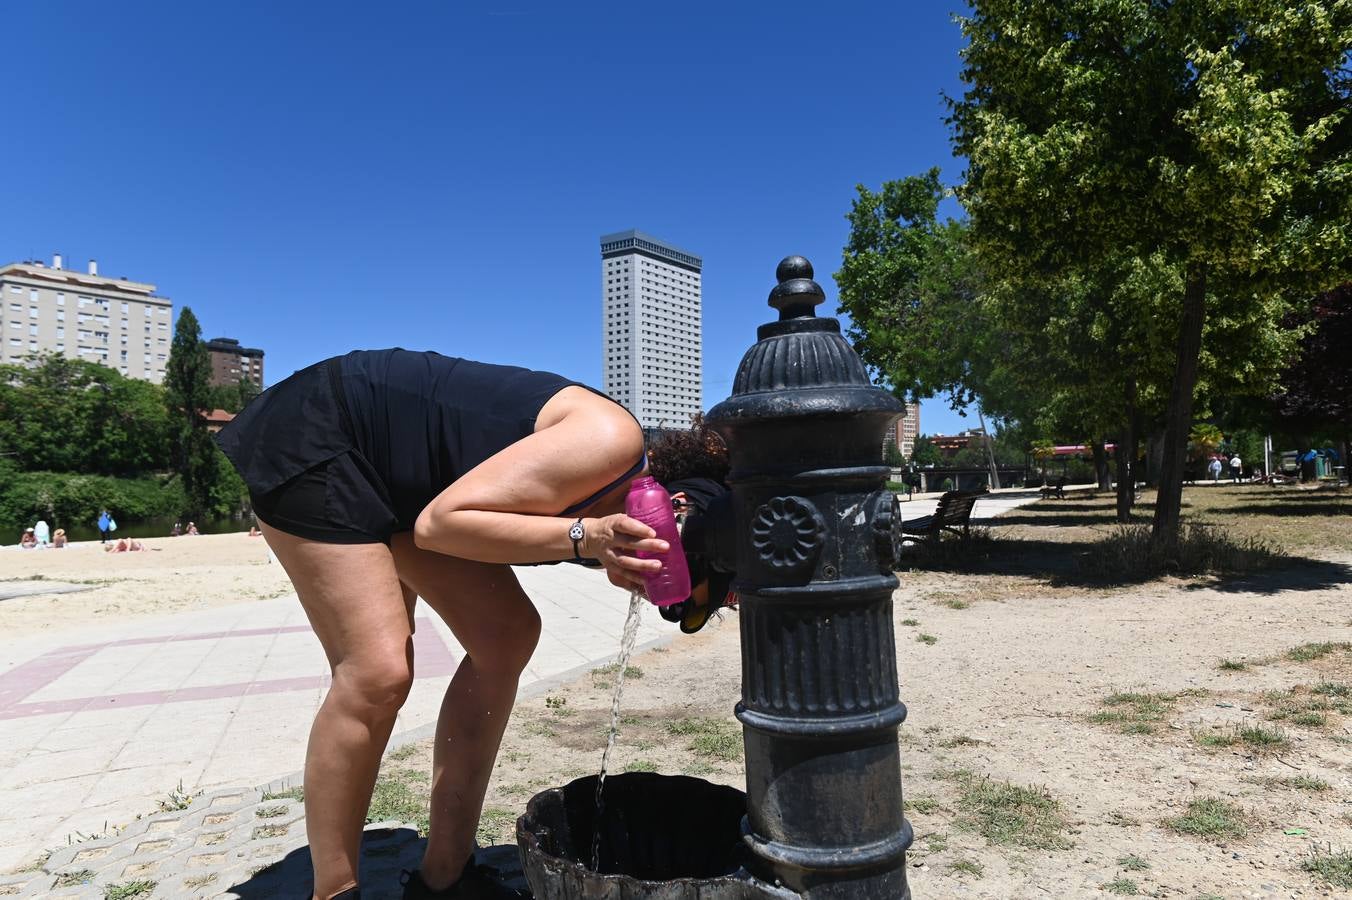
[(176, 530), (105, 526), (1308, 465), (1236, 468), (28, 541), (192, 528), (43, 533), (1215, 468), (59, 538)]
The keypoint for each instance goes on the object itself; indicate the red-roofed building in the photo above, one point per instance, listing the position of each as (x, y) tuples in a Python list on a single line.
[(218, 419)]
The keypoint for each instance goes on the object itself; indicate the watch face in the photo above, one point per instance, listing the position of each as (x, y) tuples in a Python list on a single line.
[(576, 532)]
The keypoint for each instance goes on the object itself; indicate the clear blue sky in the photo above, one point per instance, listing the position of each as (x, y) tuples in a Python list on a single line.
[(313, 178)]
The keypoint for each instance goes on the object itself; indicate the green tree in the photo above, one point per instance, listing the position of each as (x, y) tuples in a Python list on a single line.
[(188, 396), (912, 293), (69, 415), (1207, 138), (924, 453)]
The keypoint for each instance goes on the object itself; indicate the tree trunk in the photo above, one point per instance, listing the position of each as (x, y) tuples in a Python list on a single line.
[(1125, 451), (1169, 500), (1105, 478), (990, 450)]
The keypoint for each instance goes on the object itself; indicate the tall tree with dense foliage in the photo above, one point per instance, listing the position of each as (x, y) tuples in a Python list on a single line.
[(188, 396), (912, 293), (1317, 389), (69, 415), (1211, 136)]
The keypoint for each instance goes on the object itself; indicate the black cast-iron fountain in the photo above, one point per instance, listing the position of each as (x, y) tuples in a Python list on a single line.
[(809, 532)]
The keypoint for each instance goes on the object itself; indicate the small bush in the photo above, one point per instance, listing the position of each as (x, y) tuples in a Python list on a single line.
[(1122, 886), (1232, 665), (1129, 554), (1133, 863)]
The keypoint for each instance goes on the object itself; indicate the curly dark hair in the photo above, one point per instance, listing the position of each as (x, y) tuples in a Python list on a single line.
[(696, 453)]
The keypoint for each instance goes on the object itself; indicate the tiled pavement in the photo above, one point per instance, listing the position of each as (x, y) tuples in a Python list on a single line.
[(97, 727)]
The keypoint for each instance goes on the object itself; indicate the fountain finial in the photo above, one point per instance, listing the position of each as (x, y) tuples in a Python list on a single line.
[(796, 294)]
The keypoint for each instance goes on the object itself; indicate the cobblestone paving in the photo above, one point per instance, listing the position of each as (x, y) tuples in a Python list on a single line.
[(248, 844)]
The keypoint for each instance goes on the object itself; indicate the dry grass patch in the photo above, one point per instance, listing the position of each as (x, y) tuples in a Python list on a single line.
[(1210, 817), (1334, 867), (1134, 713), (710, 738), (1007, 814)]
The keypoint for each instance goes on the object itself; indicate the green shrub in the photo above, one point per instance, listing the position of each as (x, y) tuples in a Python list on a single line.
[(64, 499), (1128, 554)]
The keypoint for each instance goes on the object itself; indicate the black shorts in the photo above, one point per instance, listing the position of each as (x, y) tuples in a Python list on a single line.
[(330, 503), (293, 447)]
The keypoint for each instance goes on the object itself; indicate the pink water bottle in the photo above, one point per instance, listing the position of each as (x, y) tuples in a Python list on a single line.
[(649, 502)]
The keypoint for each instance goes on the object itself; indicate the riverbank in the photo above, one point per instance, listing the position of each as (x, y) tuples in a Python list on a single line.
[(170, 575)]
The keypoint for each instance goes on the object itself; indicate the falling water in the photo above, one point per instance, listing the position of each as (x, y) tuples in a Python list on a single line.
[(626, 648)]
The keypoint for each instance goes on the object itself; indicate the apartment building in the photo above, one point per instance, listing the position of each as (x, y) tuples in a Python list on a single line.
[(906, 429), (230, 363), (652, 358), (122, 324)]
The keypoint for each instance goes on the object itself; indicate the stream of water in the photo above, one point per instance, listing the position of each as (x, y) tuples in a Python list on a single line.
[(626, 648)]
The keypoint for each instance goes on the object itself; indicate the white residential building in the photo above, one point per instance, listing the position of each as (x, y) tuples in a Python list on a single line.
[(652, 358), (122, 324)]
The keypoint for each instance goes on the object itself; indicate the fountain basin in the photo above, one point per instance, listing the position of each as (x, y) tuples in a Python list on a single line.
[(662, 837)]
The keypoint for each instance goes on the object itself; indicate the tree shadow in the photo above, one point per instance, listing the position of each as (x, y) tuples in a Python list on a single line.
[(1058, 519), (385, 853), (1069, 564), (1321, 507)]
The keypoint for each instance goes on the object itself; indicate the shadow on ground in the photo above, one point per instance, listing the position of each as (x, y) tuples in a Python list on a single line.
[(385, 852), (1069, 564)]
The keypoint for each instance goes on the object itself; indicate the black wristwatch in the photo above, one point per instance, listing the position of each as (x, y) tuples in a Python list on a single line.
[(576, 533)]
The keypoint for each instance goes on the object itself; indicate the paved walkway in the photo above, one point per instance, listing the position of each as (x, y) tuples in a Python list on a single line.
[(97, 727)]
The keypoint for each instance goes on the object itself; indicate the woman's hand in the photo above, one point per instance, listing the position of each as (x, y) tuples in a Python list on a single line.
[(613, 541)]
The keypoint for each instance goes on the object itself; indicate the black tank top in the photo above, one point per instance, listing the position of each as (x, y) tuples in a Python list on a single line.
[(422, 420)]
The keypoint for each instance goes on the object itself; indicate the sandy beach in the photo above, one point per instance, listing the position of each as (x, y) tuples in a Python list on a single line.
[(170, 575)]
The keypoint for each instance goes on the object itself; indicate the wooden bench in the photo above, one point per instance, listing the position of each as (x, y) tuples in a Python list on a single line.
[(954, 513), (1057, 490)]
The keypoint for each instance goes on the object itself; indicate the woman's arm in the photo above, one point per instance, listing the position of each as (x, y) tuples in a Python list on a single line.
[(505, 510)]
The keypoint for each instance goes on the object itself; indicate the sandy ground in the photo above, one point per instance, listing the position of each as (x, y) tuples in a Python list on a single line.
[(172, 575), (1006, 691)]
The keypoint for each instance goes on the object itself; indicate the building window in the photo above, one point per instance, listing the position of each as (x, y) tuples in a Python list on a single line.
[(60, 299), (32, 312), (60, 332), (32, 295), (33, 330)]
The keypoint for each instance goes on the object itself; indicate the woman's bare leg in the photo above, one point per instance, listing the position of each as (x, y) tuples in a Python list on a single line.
[(362, 616), (496, 623)]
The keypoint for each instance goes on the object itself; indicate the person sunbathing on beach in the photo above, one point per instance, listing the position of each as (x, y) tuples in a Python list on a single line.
[(59, 538), (124, 545)]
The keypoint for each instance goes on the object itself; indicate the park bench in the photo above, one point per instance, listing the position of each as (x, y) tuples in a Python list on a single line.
[(1057, 489), (953, 513)]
